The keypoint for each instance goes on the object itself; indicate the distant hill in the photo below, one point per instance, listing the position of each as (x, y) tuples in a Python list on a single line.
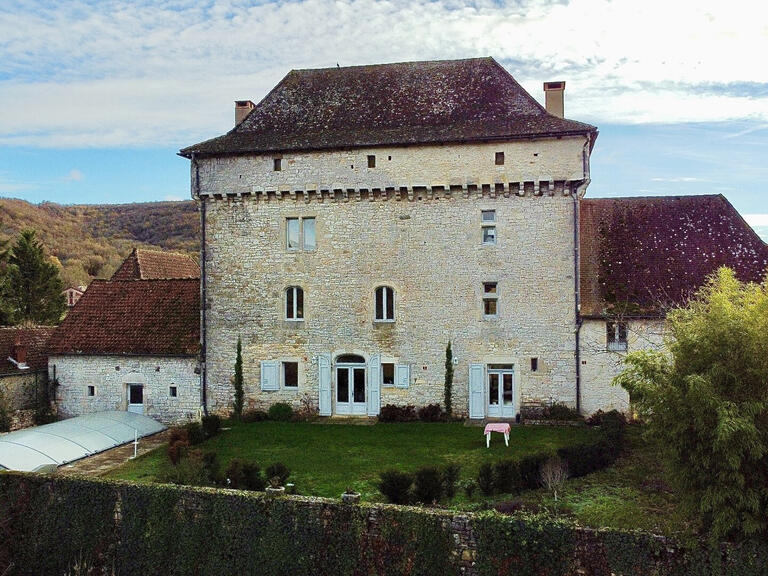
[(90, 241)]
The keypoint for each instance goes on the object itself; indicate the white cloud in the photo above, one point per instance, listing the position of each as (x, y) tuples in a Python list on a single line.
[(74, 175), (679, 179), (756, 219), (173, 198), (89, 73)]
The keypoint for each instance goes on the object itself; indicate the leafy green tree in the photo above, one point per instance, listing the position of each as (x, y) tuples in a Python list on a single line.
[(238, 381), (34, 287), (706, 402), (448, 379), (5, 305)]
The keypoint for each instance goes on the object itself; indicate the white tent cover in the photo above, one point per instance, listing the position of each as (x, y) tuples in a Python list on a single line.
[(43, 447)]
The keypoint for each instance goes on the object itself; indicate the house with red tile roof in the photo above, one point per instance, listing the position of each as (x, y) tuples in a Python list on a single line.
[(133, 342), (24, 366), (358, 219)]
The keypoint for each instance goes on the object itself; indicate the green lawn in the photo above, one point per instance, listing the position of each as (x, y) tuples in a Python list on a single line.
[(632, 494), (325, 459)]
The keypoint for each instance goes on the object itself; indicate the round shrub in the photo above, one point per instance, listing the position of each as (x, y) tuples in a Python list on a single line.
[(428, 485), (244, 475), (395, 486), (195, 433), (211, 425), (280, 412), (254, 416), (431, 413), (278, 470), (392, 413)]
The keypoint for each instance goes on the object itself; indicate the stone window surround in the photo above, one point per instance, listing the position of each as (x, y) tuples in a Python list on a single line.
[(300, 218), (385, 288), (488, 224), (297, 290), (490, 296)]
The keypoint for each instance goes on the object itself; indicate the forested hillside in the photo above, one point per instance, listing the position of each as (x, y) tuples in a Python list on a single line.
[(90, 241)]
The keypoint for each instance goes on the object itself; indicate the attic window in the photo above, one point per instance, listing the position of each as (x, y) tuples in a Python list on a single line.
[(371, 161), (499, 158), (616, 336), (278, 164)]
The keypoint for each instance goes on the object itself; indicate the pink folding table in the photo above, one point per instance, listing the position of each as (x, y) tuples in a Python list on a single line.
[(501, 427)]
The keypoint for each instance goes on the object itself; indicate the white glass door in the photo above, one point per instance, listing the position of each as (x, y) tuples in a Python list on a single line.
[(501, 393), (350, 389), (136, 398)]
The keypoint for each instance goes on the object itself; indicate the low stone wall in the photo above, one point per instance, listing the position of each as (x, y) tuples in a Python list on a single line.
[(50, 524)]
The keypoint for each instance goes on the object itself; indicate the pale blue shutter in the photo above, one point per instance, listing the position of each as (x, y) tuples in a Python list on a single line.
[(270, 378), (324, 384), (476, 395), (402, 375), (374, 385)]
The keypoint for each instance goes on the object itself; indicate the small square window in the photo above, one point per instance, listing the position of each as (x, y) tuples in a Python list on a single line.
[(371, 161), (291, 374), (173, 392), (277, 164), (489, 234), (499, 158), (387, 374), (490, 299), (91, 390), (488, 215)]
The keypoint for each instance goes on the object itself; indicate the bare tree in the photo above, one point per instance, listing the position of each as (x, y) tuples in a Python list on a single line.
[(553, 474)]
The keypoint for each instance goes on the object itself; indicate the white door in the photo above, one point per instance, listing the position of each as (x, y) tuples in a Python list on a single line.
[(136, 398), (501, 392), (350, 389)]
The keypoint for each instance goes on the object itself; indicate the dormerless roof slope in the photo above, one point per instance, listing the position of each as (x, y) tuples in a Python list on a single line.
[(143, 264), (36, 341), (655, 252), (129, 317), (391, 105)]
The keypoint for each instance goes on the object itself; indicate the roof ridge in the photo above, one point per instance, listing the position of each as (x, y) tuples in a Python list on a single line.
[(385, 64)]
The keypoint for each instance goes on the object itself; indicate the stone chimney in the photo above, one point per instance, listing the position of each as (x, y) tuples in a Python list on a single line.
[(242, 109), (19, 351), (553, 92)]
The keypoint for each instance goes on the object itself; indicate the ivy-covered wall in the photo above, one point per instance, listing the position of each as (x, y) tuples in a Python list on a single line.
[(50, 525)]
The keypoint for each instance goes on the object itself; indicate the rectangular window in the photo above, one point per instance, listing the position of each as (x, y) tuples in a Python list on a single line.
[(499, 158), (277, 164), (91, 390), (387, 374), (173, 392), (616, 336), (371, 161), (294, 303), (292, 233), (490, 299), (309, 233), (291, 374), (488, 218), (534, 364)]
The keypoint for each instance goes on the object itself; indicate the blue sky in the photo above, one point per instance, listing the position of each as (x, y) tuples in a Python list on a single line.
[(96, 97)]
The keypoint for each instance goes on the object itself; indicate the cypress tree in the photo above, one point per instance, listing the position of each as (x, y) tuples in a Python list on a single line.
[(239, 381), (448, 379)]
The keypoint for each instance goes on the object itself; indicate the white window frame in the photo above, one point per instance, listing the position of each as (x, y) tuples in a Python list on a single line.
[(486, 225), (618, 344), (385, 300), (295, 309), (282, 374), (491, 296), (301, 240)]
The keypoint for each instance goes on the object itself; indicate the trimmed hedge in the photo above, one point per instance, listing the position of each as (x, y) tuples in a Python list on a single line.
[(50, 523)]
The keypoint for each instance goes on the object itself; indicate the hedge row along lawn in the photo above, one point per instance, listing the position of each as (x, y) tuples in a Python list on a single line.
[(327, 459)]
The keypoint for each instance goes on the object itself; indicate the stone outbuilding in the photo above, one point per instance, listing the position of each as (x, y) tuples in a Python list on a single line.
[(24, 369), (132, 342)]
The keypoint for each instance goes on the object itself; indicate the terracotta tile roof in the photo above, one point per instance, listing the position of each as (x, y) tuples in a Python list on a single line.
[(147, 317), (143, 264), (655, 252), (34, 338), (391, 104)]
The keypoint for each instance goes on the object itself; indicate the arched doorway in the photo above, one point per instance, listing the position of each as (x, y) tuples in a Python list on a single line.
[(351, 379)]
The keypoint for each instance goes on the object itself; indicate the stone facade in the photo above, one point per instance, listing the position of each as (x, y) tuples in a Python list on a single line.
[(21, 391), (422, 237), (599, 366), (110, 376)]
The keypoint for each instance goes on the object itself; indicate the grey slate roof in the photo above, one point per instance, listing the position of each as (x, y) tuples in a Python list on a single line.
[(390, 105)]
